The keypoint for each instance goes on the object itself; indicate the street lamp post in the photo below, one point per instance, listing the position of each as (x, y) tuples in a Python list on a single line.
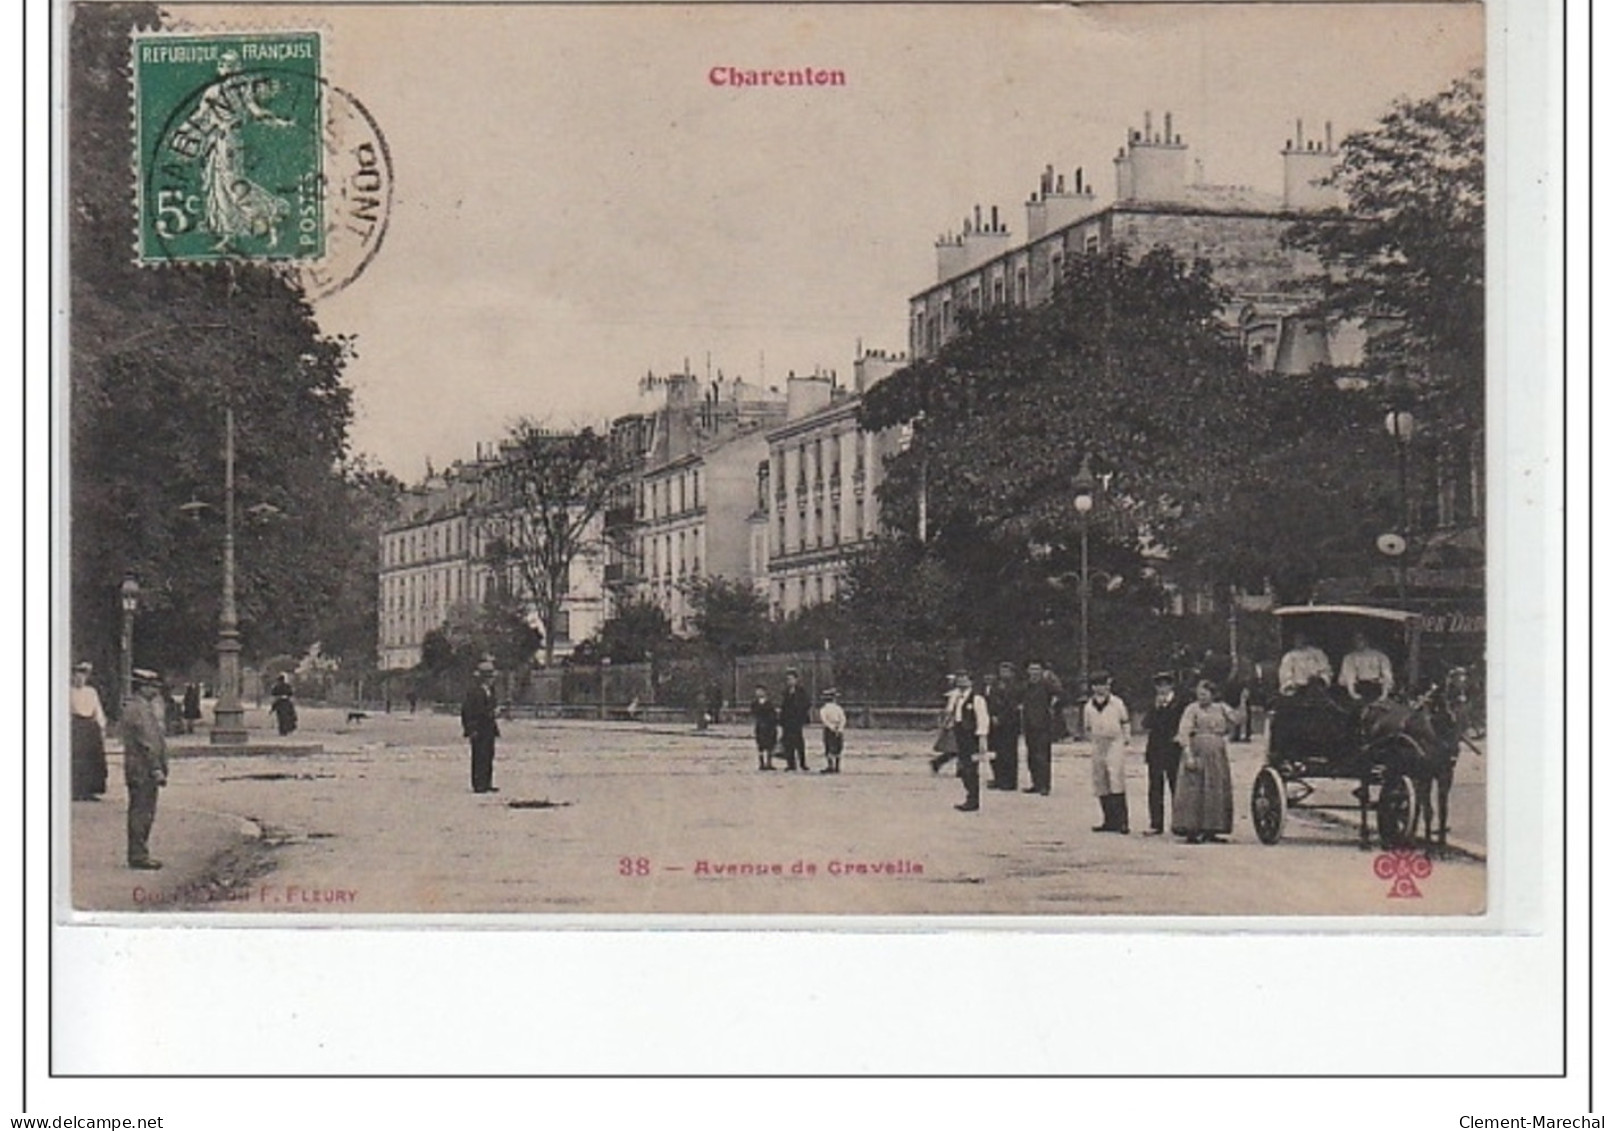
[(229, 719), (129, 599), (1400, 424), (1083, 501)]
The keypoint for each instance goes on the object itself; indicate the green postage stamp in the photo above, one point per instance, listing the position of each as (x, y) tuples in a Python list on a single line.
[(229, 147)]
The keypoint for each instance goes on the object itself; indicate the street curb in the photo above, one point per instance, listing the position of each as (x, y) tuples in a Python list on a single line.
[(1461, 847)]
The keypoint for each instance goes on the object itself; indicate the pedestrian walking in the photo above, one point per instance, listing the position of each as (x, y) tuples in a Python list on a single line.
[(1041, 720), (280, 703), (1203, 804), (971, 723), (764, 726), (191, 707), (794, 711), (833, 718), (1004, 737), (946, 746), (479, 722), (145, 763), (1161, 750), (89, 728), (1105, 723)]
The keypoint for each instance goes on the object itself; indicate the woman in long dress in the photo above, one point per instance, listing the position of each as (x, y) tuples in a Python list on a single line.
[(1203, 803)]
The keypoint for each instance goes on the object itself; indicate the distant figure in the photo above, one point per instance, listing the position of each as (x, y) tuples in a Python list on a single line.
[(145, 763), (280, 703), (479, 721), (89, 767), (1004, 704), (1042, 721), (191, 707), (794, 709), (414, 697), (715, 704), (971, 723), (833, 718), (764, 726)]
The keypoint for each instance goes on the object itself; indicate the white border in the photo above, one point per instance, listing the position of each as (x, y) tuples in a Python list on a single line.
[(325, 1001)]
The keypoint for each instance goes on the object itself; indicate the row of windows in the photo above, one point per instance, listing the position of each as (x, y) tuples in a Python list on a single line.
[(684, 489), (818, 533), (821, 588), (425, 544), (662, 559)]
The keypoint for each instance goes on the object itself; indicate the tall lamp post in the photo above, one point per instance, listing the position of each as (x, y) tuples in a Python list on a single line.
[(229, 719), (129, 600), (1400, 424), (1083, 487)]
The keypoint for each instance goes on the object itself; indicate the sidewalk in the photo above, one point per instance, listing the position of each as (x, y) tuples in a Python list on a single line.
[(187, 841)]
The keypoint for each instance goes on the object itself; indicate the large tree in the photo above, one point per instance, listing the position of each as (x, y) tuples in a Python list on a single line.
[(539, 509), (155, 357), (1408, 249)]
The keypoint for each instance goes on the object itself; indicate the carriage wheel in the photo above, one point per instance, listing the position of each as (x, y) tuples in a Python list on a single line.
[(1268, 805), (1396, 813)]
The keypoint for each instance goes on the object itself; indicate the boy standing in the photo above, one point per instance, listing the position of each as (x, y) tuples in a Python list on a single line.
[(834, 720), (765, 726)]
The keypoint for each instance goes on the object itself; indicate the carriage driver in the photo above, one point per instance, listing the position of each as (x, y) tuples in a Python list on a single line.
[(1365, 673)]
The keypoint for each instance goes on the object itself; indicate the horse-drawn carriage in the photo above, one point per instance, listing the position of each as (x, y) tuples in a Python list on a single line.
[(1395, 747)]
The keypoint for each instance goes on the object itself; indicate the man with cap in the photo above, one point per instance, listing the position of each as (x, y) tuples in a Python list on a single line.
[(1162, 754), (145, 762), (1105, 722), (89, 771), (479, 721), (794, 711)]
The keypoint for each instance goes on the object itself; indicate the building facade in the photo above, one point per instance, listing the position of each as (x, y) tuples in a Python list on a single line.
[(696, 493), (1158, 201), (432, 559), (815, 492)]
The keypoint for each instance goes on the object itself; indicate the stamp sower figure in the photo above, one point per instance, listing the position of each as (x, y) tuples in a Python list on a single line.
[(1040, 719), (1161, 750), (833, 718), (1203, 804), (280, 702), (145, 762), (971, 725), (89, 768), (1105, 720), (479, 721), (794, 710), (1003, 701), (764, 726)]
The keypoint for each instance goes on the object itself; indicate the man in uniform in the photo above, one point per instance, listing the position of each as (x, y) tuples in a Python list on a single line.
[(479, 721), (145, 762), (1040, 712), (794, 711)]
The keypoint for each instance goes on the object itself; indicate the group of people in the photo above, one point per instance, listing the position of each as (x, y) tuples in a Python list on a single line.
[(781, 728), (1186, 750)]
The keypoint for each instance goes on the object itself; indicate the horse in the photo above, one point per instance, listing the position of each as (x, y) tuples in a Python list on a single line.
[(1419, 738)]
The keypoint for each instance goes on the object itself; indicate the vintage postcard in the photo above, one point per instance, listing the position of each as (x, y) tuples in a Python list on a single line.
[(557, 460)]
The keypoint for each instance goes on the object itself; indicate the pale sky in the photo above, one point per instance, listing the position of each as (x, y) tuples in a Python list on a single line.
[(575, 203)]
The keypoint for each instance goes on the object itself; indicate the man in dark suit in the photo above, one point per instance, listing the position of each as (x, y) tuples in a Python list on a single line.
[(1161, 751), (1040, 721), (1004, 704), (479, 721), (795, 709)]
